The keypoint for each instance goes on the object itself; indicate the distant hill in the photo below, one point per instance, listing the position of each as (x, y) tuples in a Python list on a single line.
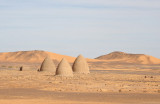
[(38, 56), (129, 58), (35, 56)]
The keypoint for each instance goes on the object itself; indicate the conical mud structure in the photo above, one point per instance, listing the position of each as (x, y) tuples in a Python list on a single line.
[(80, 65), (48, 65), (64, 69)]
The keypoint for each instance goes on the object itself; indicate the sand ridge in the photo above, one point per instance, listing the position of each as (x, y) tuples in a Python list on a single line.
[(35, 56), (129, 58)]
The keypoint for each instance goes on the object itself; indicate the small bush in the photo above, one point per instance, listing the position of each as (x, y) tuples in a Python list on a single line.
[(3, 66), (10, 66)]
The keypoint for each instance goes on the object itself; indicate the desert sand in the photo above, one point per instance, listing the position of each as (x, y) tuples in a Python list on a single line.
[(102, 86), (109, 82)]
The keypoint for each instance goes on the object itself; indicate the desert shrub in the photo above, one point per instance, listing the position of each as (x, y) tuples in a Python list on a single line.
[(120, 90), (3, 66), (10, 66)]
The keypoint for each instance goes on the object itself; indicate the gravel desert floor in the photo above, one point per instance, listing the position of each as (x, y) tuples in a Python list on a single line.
[(119, 86)]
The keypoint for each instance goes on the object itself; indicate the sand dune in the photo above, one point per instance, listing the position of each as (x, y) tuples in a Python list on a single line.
[(31, 56), (130, 58), (37, 56)]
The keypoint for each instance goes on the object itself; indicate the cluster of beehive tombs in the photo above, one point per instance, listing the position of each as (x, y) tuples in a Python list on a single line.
[(64, 68)]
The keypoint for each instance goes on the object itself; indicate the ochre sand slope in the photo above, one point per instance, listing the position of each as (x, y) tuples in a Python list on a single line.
[(130, 58), (30, 56), (38, 56), (35, 56)]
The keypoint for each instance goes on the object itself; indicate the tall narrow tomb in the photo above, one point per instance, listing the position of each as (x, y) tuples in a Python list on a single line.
[(80, 65)]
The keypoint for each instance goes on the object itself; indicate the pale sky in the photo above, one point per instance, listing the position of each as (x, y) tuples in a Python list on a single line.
[(88, 27)]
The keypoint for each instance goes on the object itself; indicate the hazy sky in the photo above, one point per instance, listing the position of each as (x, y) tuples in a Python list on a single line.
[(89, 27)]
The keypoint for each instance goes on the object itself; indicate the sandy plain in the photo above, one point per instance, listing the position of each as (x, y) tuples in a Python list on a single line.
[(101, 86)]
